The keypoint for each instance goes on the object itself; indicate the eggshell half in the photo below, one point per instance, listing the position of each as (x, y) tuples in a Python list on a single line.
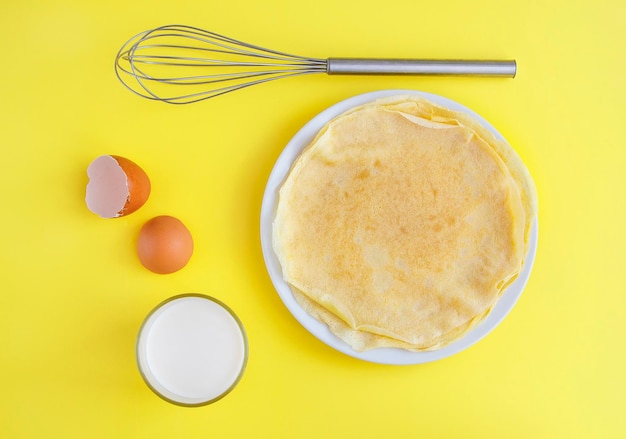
[(117, 186)]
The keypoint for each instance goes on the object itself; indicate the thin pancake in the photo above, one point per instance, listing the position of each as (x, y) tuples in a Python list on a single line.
[(401, 224)]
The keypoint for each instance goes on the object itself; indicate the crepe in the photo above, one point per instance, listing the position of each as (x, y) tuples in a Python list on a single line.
[(401, 224)]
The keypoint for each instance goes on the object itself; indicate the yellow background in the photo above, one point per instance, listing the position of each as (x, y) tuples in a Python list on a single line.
[(73, 293)]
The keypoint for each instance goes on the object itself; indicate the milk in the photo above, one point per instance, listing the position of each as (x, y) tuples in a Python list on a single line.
[(192, 350)]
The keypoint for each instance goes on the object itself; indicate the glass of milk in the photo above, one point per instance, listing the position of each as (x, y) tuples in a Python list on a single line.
[(192, 350)]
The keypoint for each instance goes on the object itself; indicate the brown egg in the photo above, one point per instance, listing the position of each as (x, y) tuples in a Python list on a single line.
[(164, 245), (117, 186)]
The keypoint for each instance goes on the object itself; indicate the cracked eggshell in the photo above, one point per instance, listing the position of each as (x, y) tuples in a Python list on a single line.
[(117, 186)]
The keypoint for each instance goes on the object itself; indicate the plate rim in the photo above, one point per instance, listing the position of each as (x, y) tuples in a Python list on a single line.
[(390, 356)]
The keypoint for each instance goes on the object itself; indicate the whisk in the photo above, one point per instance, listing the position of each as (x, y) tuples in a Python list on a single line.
[(182, 64)]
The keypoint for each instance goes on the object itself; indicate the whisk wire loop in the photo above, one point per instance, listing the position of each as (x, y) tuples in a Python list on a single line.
[(154, 63)]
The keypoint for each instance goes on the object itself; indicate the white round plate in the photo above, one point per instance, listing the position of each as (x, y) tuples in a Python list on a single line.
[(320, 330)]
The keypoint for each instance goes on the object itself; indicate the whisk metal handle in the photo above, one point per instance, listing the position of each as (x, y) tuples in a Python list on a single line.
[(365, 66)]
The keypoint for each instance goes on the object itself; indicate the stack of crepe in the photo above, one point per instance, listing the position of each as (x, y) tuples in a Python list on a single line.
[(402, 224)]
